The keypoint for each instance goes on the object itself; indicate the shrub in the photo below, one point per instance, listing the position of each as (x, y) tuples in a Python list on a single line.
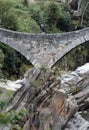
[(53, 13), (7, 18), (37, 13), (58, 17)]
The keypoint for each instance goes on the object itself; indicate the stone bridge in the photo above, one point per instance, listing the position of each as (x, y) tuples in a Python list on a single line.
[(44, 49)]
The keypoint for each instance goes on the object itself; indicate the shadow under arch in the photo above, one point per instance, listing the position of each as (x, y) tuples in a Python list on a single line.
[(78, 55), (14, 63)]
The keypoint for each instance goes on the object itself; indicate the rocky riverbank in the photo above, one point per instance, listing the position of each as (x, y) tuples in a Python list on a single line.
[(53, 101)]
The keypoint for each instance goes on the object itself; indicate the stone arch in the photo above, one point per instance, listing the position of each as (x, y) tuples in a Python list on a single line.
[(44, 49), (15, 40)]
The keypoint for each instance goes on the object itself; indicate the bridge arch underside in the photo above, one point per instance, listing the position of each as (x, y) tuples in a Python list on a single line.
[(16, 47), (68, 46), (16, 52), (78, 49)]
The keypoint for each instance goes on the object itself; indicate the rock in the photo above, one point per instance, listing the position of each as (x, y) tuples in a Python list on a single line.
[(77, 83), (30, 75), (64, 108), (46, 120), (19, 98), (56, 116), (77, 78), (53, 106), (5, 127), (77, 123)]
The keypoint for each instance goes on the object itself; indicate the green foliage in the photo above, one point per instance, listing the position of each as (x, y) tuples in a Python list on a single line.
[(53, 13), (16, 127), (9, 22), (9, 117), (2, 104), (86, 17), (24, 112), (64, 21), (58, 17), (16, 17), (11, 61), (5, 118), (25, 2), (5, 95), (37, 13), (14, 64), (7, 18), (54, 16), (74, 89), (13, 118), (27, 24)]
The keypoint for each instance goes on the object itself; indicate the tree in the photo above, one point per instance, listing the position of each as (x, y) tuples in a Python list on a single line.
[(53, 14), (25, 2), (58, 17), (85, 9), (7, 17)]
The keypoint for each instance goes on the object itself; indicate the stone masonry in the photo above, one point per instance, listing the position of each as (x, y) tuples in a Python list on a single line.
[(44, 49)]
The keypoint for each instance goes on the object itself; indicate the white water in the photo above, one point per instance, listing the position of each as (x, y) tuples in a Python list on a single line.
[(10, 85)]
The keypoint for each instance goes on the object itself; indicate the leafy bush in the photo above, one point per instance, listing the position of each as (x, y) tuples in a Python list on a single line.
[(25, 2), (7, 18), (53, 13), (64, 21), (86, 17), (58, 16), (37, 13), (54, 16), (5, 96), (14, 64), (27, 24), (13, 118)]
